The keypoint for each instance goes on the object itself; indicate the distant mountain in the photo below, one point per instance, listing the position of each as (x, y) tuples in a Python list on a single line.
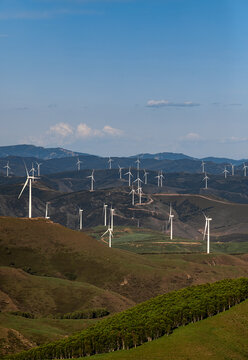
[(217, 160), (36, 151), (164, 156)]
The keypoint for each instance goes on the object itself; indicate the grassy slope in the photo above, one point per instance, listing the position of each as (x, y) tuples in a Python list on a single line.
[(223, 336)]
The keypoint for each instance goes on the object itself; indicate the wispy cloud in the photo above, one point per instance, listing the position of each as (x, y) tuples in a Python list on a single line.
[(166, 103), (191, 137), (63, 133), (36, 15)]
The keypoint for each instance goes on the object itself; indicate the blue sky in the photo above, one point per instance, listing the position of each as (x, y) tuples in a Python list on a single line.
[(123, 77)]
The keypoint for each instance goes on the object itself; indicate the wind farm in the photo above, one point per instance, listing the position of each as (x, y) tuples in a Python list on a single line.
[(123, 180)]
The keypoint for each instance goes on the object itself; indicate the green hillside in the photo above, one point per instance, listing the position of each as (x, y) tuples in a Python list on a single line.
[(221, 337), (146, 321)]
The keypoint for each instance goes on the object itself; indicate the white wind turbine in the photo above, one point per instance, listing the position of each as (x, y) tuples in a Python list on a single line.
[(110, 232), (206, 178), (78, 164), (225, 172), (32, 170), (138, 164), (139, 181), (232, 166), (80, 219), (92, 180), (129, 176), (28, 181), (120, 171), (244, 168), (207, 232), (140, 192), (112, 218), (170, 222), (105, 214), (160, 178), (133, 194), (38, 168), (110, 163), (145, 176), (7, 167), (203, 166), (46, 212)]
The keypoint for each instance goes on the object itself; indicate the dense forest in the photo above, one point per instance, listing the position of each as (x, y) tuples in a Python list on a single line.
[(146, 321)]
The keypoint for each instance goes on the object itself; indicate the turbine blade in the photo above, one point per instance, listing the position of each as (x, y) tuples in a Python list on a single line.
[(26, 183), (205, 230)]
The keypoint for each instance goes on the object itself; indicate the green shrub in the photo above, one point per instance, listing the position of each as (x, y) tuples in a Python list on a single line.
[(85, 314)]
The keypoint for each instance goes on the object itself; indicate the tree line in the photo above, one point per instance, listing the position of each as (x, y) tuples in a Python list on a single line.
[(145, 322)]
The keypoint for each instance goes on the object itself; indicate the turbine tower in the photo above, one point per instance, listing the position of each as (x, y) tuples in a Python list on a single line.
[(38, 168), (28, 181), (92, 180), (138, 164), (207, 232), (206, 178), (171, 217), (225, 172), (112, 218), (244, 168), (7, 167), (133, 193), (80, 219), (140, 192), (145, 176), (78, 164), (203, 166), (46, 212), (232, 166), (110, 163), (120, 171), (129, 176), (105, 214)]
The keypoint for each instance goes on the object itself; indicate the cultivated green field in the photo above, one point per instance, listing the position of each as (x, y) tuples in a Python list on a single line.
[(145, 241), (221, 337)]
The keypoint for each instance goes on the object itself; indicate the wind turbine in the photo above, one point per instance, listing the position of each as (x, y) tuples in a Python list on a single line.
[(80, 219), (78, 164), (145, 176), (105, 214), (140, 192), (207, 232), (38, 168), (120, 171), (32, 170), (171, 217), (206, 178), (92, 180), (46, 213), (225, 172), (139, 181), (28, 181), (7, 167), (133, 193), (232, 166), (203, 166), (110, 163), (112, 218), (110, 232), (138, 164), (129, 176), (244, 168), (160, 178)]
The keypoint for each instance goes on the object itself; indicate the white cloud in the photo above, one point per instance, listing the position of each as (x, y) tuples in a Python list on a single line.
[(192, 137), (109, 130), (83, 131), (165, 103), (61, 129)]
